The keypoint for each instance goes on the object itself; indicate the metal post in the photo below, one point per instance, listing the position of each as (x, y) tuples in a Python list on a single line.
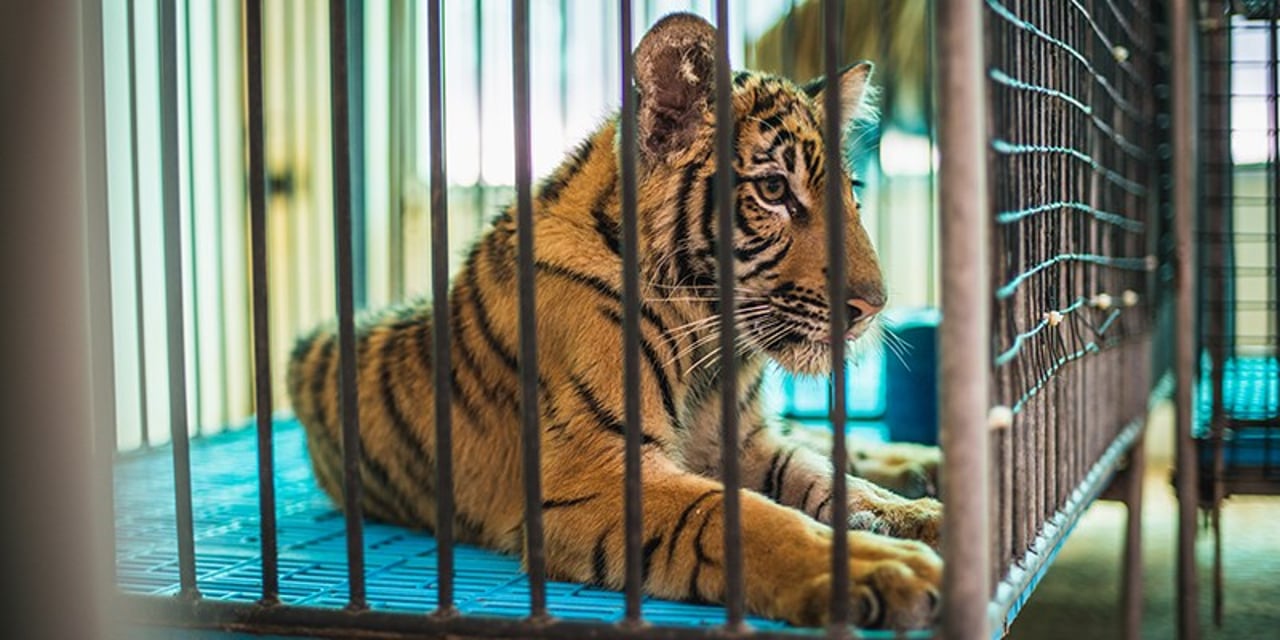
[(139, 295), (348, 407), (1132, 596), (46, 461), (964, 341), (531, 437), (724, 186), (834, 182), (440, 342), (101, 327), (634, 524), (260, 308), (1182, 44), (172, 208)]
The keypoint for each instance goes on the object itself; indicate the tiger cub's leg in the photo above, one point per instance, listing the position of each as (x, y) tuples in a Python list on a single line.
[(787, 555), (908, 469), (796, 475)]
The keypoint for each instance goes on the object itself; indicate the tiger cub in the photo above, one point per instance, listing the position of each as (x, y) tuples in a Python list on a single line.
[(780, 250)]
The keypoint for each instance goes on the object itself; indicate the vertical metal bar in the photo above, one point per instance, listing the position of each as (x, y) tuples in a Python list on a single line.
[(530, 432), (224, 404), (46, 471), (724, 185), (354, 90), (562, 67), (440, 340), (1273, 201), (343, 197), (832, 36), (397, 58), (1216, 248), (788, 46), (260, 308), (963, 338), (931, 133), (197, 400), (630, 322), (139, 297), (1132, 604), (479, 41), (1182, 43), (172, 207), (100, 299)]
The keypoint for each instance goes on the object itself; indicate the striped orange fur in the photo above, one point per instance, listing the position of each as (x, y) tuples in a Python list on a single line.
[(782, 315)]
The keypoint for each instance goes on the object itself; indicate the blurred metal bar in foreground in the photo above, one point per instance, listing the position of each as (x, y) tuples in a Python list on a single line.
[(963, 339), (1182, 42)]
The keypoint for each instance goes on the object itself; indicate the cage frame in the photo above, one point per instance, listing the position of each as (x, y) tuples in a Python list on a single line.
[(972, 610)]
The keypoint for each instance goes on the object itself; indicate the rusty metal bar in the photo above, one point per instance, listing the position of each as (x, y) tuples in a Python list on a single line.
[(260, 308), (348, 407), (834, 183), (534, 554), (1182, 44), (1133, 569), (634, 520), (441, 362), (963, 338), (724, 194)]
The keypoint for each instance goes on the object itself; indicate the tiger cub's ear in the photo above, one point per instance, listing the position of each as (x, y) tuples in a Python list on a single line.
[(675, 72), (856, 94)]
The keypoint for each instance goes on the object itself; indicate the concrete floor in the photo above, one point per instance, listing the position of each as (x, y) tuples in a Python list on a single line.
[(1080, 594)]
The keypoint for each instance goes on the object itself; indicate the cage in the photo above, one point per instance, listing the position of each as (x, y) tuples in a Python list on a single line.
[(1237, 392), (1048, 261)]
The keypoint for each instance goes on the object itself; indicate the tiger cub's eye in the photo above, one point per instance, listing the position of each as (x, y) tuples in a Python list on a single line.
[(773, 189)]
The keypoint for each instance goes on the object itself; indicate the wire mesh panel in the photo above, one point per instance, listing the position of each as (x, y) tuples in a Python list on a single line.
[(1237, 398), (1071, 146), (1239, 393)]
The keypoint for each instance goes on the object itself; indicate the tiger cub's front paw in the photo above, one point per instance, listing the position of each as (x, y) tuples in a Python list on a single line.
[(894, 584), (909, 470), (914, 520)]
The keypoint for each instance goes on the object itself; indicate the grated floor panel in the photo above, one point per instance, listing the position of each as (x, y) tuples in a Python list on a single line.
[(401, 564)]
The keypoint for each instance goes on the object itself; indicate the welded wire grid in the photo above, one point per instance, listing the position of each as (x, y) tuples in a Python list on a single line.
[(1238, 398), (1071, 127)]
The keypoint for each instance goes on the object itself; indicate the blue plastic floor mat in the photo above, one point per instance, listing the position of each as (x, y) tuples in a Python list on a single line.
[(1250, 392), (401, 564)]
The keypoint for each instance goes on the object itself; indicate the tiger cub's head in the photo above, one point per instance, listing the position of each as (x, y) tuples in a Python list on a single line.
[(780, 236)]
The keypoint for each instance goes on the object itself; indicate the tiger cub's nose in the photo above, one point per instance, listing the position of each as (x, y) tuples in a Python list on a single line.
[(860, 309)]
